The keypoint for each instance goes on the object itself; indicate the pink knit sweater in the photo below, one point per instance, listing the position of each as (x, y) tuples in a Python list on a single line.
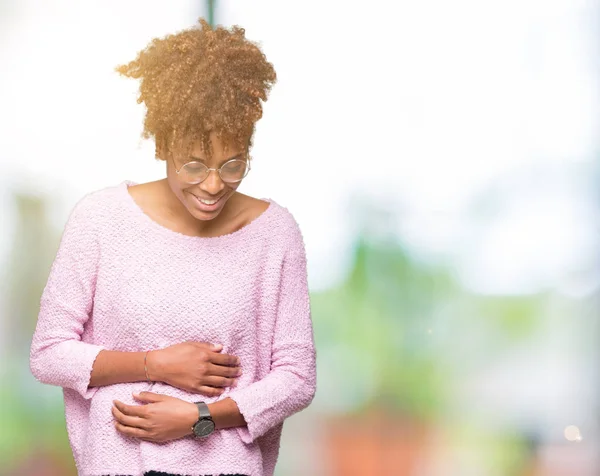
[(121, 281)]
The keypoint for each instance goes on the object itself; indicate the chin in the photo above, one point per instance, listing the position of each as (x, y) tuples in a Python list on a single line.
[(205, 216), (197, 212)]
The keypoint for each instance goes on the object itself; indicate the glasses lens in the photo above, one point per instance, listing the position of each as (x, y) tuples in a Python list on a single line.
[(234, 171), (194, 172)]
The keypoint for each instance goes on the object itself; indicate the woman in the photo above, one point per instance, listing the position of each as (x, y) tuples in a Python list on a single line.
[(176, 315)]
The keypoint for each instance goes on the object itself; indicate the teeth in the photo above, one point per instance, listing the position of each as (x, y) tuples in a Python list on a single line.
[(209, 202)]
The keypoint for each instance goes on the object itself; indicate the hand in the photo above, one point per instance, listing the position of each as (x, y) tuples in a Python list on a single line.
[(162, 418), (196, 367)]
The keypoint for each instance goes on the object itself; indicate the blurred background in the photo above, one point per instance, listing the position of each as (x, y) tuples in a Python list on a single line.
[(443, 161)]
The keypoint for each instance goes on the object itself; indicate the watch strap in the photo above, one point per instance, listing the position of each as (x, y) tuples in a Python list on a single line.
[(203, 411)]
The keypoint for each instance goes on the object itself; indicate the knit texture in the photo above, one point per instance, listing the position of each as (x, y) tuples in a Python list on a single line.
[(121, 281)]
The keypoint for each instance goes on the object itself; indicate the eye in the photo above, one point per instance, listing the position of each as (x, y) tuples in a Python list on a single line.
[(195, 167), (235, 164)]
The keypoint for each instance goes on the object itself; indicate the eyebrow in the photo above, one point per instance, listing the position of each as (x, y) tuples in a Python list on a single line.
[(201, 159)]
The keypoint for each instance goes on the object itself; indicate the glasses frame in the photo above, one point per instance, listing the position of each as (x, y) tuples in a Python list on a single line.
[(209, 170)]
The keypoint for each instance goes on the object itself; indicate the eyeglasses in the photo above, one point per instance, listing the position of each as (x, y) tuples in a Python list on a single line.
[(232, 171)]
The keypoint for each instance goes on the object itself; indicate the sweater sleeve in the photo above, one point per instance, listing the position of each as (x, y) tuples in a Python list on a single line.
[(58, 356), (291, 383)]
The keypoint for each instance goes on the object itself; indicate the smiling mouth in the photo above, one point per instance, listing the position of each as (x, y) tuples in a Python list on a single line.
[(208, 203)]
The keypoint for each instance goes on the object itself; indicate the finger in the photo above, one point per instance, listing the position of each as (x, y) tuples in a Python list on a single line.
[(149, 397), (219, 381), (222, 371), (131, 410), (132, 431), (209, 391), (127, 420), (224, 359), (210, 346)]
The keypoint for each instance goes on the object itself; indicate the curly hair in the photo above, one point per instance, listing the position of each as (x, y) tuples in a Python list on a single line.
[(201, 80)]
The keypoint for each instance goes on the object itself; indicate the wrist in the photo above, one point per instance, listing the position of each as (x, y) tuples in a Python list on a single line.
[(204, 424), (226, 414), (190, 417), (214, 414), (152, 366)]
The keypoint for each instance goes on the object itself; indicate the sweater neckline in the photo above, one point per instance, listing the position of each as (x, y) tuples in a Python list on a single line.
[(137, 210)]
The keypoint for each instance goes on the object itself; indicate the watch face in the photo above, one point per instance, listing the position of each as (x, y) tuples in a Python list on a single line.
[(204, 427)]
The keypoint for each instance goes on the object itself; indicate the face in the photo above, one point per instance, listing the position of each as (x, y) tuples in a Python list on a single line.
[(212, 188)]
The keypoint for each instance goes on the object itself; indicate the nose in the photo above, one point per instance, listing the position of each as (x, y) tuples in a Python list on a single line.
[(212, 184)]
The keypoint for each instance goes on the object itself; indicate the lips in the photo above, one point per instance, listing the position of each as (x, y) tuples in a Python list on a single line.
[(206, 207), (209, 199)]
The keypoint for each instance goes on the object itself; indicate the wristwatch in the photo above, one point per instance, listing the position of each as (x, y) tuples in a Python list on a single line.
[(205, 424)]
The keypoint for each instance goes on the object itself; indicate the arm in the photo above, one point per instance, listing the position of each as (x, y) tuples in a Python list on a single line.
[(113, 366), (290, 386), (225, 413), (57, 354), (165, 418), (197, 367)]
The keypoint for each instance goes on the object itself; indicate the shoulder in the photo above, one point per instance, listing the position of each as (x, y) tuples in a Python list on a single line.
[(99, 197), (283, 227), (248, 208), (142, 192), (254, 208), (96, 206)]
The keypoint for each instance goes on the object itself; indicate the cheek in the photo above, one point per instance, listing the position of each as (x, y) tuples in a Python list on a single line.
[(179, 192)]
